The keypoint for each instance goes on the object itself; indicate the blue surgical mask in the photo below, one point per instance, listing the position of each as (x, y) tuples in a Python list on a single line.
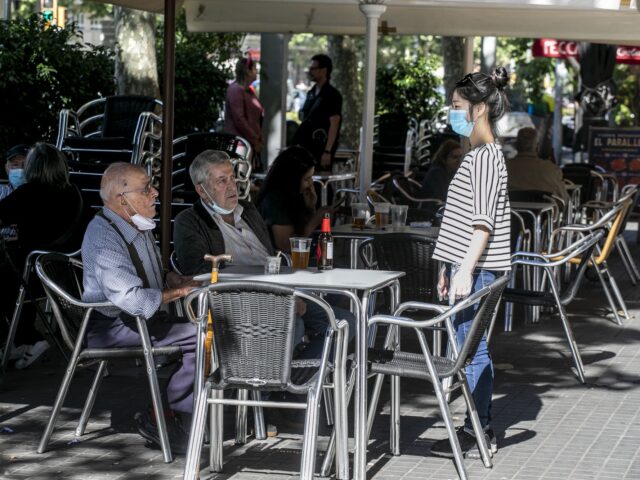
[(459, 122), (16, 177)]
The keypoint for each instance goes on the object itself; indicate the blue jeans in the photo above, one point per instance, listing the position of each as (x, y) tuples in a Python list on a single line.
[(480, 371), (314, 322)]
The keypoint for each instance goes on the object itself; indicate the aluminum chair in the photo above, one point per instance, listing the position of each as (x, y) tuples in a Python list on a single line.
[(409, 193), (436, 369), (28, 269), (254, 330), (613, 221), (62, 280), (581, 251)]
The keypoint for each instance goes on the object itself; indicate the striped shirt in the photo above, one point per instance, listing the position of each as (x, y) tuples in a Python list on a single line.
[(477, 197)]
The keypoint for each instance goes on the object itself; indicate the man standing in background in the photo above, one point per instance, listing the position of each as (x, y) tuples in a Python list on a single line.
[(321, 114)]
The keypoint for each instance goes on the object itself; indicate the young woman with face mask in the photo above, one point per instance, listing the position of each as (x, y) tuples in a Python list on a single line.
[(474, 239)]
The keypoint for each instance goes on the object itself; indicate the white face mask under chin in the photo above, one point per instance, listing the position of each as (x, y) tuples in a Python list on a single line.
[(141, 223), (214, 206)]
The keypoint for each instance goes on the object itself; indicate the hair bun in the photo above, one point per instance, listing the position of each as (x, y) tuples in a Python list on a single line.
[(500, 77)]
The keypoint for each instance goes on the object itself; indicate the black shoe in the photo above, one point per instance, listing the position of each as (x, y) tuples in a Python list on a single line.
[(468, 443), (178, 437), (492, 444)]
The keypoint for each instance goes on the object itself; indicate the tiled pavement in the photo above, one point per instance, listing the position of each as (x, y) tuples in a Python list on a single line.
[(549, 426)]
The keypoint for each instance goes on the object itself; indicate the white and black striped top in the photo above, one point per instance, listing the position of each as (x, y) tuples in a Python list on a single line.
[(477, 196)]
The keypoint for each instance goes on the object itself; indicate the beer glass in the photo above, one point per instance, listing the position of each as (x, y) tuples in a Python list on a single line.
[(359, 213), (300, 252), (382, 214)]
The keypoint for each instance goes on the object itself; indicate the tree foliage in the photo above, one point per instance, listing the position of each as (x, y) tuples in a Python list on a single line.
[(410, 87), (203, 69), (43, 71)]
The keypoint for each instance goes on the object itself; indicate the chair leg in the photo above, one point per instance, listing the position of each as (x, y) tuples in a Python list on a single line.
[(155, 390), (626, 262), (395, 400), (331, 446), (451, 431), (62, 393), (216, 429), (327, 400), (616, 292), (196, 436), (614, 308), (573, 346), (258, 417), (91, 398), (13, 328), (475, 421), (632, 263), (241, 418), (310, 436)]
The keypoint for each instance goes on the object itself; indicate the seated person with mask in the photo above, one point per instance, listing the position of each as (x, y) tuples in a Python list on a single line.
[(220, 223), (122, 265), (14, 167)]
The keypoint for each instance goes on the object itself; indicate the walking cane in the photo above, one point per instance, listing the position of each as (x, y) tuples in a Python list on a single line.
[(215, 262)]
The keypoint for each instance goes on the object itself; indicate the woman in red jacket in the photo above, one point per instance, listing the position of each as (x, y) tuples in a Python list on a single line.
[(243, 110)]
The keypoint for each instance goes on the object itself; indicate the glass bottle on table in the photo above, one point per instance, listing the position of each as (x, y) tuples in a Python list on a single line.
[(325, 245)]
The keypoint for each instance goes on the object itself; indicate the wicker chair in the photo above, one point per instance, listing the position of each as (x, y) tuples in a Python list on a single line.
[(254, 339), (436, 369), (581, 251), (62, 280)]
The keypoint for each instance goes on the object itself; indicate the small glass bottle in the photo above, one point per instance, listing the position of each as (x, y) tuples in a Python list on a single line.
[(325, 245)]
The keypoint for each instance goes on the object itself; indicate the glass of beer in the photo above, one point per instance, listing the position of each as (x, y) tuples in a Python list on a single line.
[(359, 212), (300, 252), (382, 214)]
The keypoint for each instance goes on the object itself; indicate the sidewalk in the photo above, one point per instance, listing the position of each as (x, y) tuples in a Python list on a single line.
[(549, 426)]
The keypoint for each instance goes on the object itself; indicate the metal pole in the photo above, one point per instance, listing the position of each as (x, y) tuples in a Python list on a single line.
[(557, 111), (373, 13), (168, 91)]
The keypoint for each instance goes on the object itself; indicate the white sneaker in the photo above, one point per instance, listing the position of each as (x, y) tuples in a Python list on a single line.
[(31, 354), (16, 352)]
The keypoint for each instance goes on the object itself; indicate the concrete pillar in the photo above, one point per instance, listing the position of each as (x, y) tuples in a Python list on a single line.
[(373, 13), (274, 53)]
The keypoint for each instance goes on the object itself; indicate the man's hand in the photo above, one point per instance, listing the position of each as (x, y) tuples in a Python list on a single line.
[(301, 307), (325, 161)]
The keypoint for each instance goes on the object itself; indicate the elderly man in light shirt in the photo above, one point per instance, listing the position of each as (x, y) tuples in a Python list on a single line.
[(122, 266)]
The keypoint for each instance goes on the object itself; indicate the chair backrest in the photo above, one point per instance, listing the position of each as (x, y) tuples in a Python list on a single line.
[(616, 224), (488, 299), (121, 113), (411, 254), (61, 277), (254, 326)]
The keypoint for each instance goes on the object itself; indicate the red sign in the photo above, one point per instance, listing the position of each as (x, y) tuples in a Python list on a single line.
[(548, 47)]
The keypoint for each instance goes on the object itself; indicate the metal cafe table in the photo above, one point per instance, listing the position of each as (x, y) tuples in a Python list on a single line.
[(342, 282), (357, 235), (323, 178)]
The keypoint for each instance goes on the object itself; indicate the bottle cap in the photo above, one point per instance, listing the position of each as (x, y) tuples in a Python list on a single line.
[(326, 223)]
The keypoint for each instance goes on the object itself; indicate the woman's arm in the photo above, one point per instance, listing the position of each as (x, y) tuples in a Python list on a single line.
[(462, 281), (281, 235)]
